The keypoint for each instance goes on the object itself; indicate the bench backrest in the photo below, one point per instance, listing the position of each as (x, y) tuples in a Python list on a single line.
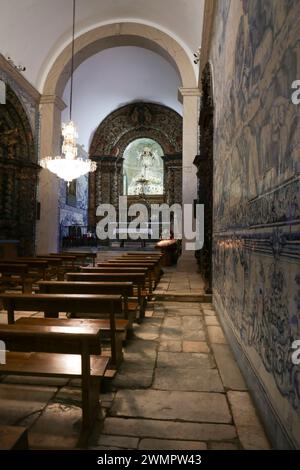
[(108, 268), (71, 287), (11, 268), (31, 263), (56, 339), (76, 303), (135, 278)]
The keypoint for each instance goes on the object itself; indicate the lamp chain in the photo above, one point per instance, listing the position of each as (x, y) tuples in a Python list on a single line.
[(72, 60)]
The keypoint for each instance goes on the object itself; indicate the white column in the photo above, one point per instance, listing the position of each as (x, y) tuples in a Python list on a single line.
[(47, 228), (190, 99)]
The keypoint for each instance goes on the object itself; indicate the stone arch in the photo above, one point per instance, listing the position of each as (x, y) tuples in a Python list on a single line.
[(119, 34), (87, 45)]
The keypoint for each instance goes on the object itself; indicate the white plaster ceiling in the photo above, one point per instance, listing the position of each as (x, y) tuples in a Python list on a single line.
[(115, 77), (34, 32)]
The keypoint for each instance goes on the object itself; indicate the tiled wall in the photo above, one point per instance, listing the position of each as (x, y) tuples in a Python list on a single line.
[(75, 214), (255, 57)]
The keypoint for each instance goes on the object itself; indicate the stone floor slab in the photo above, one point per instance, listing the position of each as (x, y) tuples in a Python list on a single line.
[(229, 370), (195, 346), (183, 360), (249, 428), (171, 346), (216, 335), (223, 446), (212, 320), (169, 429), (57, 428), (118, 442), (132, 378), (193, 335), (172, 405), (22, 404), (204, 380), (164, 444)]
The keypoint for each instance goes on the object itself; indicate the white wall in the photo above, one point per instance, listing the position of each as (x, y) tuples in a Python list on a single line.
[(115, 77)]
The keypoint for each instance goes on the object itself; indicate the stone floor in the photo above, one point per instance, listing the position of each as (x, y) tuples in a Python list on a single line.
[(179, 386)]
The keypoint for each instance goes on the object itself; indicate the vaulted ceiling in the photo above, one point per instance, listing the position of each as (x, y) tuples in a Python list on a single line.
[(33, 32)]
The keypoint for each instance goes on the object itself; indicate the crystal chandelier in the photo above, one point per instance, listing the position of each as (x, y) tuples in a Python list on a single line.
[(69, 167)]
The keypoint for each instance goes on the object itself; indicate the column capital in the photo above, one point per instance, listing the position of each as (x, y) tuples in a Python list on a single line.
[(53, 99), (189, 92)]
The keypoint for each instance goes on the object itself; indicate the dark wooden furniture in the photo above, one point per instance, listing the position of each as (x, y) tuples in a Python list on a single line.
[(110, 268), (137, 278), (52, 304), (38, 350), (15, 274)]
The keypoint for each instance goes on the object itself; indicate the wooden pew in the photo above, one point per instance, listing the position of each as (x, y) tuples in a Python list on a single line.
[(102, 325), (152, 265), (137, 278), (144, 255), (58, 351), (55, 265), (52, 304), (110, 268), (16, 274), (125, 289), (82, 255), (67, 260), (13, 438), (36, 268)]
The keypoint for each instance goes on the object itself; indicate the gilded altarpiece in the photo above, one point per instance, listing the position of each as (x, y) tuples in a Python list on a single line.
[(131, 122), (18, 174)]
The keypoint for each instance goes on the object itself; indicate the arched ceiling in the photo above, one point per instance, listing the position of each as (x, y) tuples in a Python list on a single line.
[(115, 77), (34, 32)]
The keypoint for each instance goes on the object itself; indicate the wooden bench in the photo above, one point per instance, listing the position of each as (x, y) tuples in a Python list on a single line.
[(123, 288), (55, 265), (123, 327), (67, 260), (151, 265), (36, 268), (15, 274), (102, 325), (110, 268), (13, 438), (82, 255), (72, 352), (52, 304), (138, 280)]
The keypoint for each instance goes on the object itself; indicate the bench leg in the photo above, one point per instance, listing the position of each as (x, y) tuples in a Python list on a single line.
[(90, 407), (119, 349), (27, 286)]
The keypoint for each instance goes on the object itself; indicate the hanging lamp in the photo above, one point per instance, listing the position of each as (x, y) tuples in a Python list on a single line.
[(68, 166)]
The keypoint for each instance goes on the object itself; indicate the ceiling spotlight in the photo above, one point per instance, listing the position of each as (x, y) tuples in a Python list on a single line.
[(19, 67), (197, 56)]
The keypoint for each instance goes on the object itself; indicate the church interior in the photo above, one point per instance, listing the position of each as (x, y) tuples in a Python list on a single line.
[(138, 337)]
